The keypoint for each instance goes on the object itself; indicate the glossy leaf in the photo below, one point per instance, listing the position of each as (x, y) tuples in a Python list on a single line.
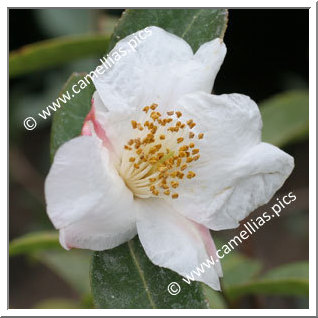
[(42, 55), (290, 279), (285, 117), (195, 26), (34, 242)]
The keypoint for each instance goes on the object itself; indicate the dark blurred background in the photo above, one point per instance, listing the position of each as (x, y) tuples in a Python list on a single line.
[(267, 54)]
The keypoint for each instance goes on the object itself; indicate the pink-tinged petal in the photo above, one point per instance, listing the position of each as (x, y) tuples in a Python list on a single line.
[(172, 241), (209, 246), (86, 198), (94, 120)]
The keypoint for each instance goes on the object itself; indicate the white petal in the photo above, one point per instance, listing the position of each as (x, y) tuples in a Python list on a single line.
[(256, 178), (82, 188), (160, 69), (231, 123), (236, 173), (172, 241), (211, 55), (98, 232)]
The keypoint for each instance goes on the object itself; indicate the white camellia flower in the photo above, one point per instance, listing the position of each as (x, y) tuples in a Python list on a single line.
[(162, 157)]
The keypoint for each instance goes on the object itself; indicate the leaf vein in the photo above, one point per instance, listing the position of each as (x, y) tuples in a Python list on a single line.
[(134, 257)]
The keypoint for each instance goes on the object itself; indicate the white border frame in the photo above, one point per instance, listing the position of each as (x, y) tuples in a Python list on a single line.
[(312, 163)]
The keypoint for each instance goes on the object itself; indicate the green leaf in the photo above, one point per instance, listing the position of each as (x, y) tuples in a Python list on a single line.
[(239, 269), (285, 117), (42, 55), (195, 26), (214, 298), (124, 277), (34, 242), (72, 266), (290, 279), (68, 120)]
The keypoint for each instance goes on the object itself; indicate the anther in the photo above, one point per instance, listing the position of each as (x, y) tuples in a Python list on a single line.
[(179, 114), (190, 175), (184, 148), (195, 151), (183, 167), (134, 124), (174, 184)]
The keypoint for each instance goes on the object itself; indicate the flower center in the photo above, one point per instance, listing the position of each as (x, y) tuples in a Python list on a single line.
[(160, 155)]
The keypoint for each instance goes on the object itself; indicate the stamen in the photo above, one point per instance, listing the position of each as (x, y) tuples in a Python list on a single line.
[(179, 114), (161, 152), (195, 151), (134, 124)]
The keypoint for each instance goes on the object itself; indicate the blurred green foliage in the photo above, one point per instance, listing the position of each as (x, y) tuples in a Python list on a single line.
[(286, 117), (42, 55)]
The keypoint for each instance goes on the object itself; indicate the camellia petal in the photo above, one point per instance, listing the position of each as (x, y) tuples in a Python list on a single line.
[(161, 155), (236, 172), (160, 69), (172, 241), (95, 120), (82, 188), (211, 55)]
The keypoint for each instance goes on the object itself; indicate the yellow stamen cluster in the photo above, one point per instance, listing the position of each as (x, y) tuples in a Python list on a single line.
[(161, 154)]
